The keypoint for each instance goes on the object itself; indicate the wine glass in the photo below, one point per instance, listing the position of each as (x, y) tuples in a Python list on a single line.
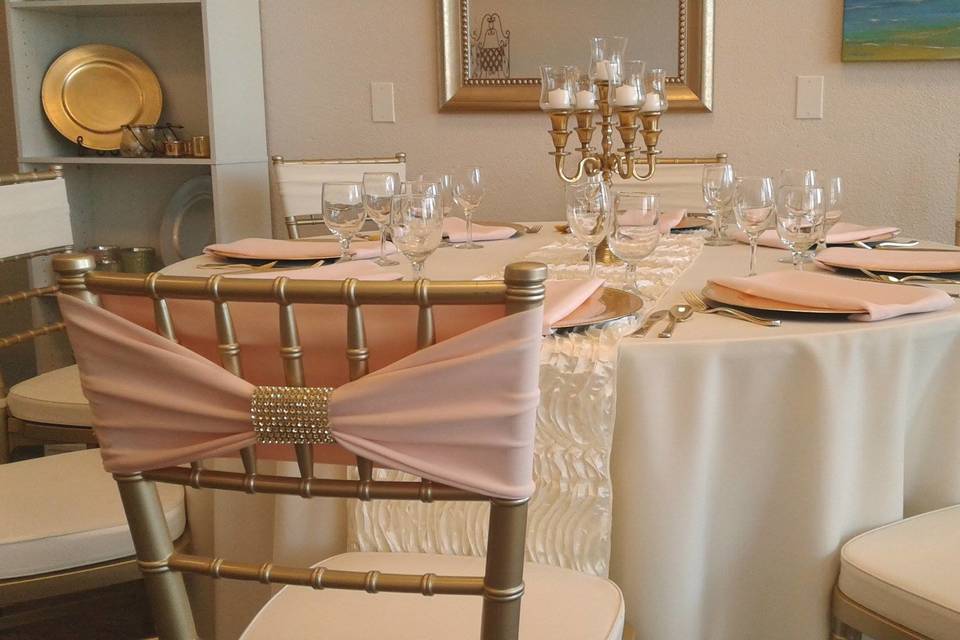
[(833, 192), (797, 178), (378, 192), (589, 207), (753, 204), (468, 193), (800, 214), (718, 188), (343, 212), (634, 229), (416, 226), (420, 187), (447, 183)]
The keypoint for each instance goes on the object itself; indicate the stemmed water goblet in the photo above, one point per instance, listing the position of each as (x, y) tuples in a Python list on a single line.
[(468, 193), (343, 212), (718, 189), (416, 227), (634, 230), (753, 204), (446, 183), (378, 192), (800, 214), (589, 207), (833, 192)]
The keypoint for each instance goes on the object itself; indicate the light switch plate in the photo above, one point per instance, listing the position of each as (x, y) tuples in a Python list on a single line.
[(381, 99), (809, 97)]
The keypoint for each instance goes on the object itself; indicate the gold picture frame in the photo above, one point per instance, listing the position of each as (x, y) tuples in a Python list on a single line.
[(690, 90)]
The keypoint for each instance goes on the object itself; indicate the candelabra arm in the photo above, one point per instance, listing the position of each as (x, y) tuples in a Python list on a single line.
[(587, 166), (651, 168)]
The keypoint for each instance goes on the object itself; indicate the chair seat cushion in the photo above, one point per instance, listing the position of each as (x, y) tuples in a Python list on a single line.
[(909, 572), (64, 511), (557, 603), (54, 397)]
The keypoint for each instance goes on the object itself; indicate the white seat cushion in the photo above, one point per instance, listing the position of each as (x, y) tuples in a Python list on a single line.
[(54, 397), (64, 511), (909, 572), (557, 603)]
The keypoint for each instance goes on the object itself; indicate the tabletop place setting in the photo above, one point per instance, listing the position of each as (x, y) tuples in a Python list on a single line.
[(587, 382)]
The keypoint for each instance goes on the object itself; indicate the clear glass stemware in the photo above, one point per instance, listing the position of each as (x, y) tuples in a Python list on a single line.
[(718, 189), (634, 230), (753, 204), (589, 207), (833, 192), (378, 192), (800, 214), (468, 193), (343, 212), (416, 226), (447, 183)]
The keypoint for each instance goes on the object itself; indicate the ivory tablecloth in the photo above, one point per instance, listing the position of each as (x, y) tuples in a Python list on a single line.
[(743, 457)]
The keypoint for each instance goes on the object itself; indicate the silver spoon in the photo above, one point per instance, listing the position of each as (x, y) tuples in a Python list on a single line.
[(678, 313)]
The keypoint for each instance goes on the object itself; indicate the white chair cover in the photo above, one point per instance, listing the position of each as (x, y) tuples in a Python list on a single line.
[(301, 185), (34, 216)]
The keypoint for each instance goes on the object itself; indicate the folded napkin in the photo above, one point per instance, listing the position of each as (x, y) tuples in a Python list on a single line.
[(359, 269), (876, 300), (563, 297), (841, 233), (890, 259), (270, 249), (455, 229)]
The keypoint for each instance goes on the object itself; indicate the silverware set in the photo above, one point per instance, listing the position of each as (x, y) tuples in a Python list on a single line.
[(915, 280)]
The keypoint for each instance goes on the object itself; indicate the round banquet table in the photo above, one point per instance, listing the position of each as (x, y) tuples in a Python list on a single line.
[(744, 456)]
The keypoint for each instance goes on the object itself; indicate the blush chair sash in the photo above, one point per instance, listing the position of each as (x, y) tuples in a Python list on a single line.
[(461, 412)]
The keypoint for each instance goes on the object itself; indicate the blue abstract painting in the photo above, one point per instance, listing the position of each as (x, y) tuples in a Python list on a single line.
[(901, 30)]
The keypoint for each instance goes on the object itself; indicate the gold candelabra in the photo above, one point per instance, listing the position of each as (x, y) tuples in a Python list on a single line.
[(623, 162)]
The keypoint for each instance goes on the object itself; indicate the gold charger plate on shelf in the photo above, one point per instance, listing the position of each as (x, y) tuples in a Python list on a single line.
[(724, 296), (605, 305), (93, 90)]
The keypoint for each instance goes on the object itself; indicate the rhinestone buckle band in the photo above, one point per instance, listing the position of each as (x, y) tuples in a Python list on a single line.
[(291, 415)]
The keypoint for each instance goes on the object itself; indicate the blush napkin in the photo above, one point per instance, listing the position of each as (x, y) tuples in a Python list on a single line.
[(875, 300), (272, 249), (455, 229), (563, 297), (841, 233), (890, 259)]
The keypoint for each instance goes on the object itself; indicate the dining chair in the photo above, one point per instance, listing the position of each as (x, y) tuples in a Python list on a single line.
[(300, 183), (901, 581), (161, 409), (65, 547), (49, 407), (678, 181)]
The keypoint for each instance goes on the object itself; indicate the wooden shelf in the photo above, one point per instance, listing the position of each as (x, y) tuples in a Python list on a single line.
[(94, 159), (106, 8)]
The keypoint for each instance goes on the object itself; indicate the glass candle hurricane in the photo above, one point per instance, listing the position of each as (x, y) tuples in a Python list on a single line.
[(655, 87), (556, 88), (630, 93), (606, 58)]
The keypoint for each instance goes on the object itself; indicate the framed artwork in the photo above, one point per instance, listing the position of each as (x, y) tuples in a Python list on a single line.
[(876, 30)]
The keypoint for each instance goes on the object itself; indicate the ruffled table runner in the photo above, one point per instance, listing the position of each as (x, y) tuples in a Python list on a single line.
[(571, 512)]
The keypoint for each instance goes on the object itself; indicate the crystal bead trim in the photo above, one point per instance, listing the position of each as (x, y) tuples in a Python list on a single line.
[(291, 415)]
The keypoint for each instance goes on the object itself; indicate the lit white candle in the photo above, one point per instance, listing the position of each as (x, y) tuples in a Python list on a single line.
[(600, 70), (652, 103), (627, 95), (586, 99), (559, 99)]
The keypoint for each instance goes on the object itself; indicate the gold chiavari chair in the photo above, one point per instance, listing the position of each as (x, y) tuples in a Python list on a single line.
[(300, 183), (554, 601), (901, 581), (50, 407), (65, 548), (678, 181)]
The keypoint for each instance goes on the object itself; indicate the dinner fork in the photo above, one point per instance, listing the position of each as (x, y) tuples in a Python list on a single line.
[(700, 306), (533, 228), (886, 277)]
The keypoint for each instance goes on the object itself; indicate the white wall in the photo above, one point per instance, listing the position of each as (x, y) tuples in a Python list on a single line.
[(891, 129)]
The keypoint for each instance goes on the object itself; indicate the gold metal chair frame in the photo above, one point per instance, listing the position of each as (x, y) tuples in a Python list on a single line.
[(14, 430), (294, 223), (501, 587), (852, 621)]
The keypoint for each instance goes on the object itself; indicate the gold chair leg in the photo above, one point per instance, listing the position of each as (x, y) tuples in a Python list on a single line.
[(165, 588), (503, 585)]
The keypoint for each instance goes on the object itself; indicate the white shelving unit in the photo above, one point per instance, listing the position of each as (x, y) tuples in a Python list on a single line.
[(207, 56)]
